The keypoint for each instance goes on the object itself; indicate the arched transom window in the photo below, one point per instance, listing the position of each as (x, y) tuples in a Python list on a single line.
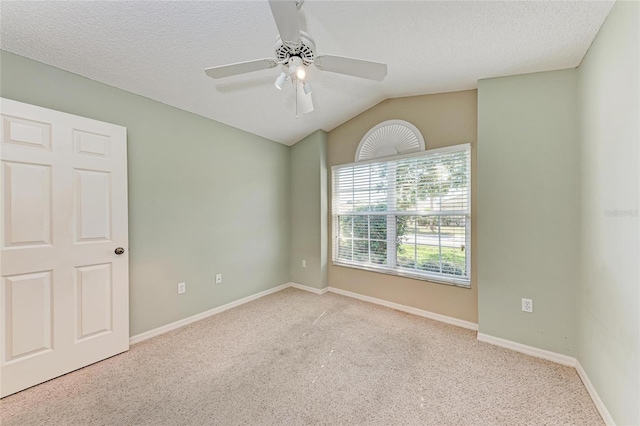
[(389, 138)]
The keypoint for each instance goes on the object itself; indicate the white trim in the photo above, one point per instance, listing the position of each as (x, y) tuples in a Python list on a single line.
[(408, 309), (415, 311), (529, 350), (452, 148), (602, 409), (431, 277), (177, 324), (309, 288), (411, 213)]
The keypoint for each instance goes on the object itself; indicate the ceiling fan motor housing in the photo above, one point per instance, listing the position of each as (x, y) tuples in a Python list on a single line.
[(305, 49)]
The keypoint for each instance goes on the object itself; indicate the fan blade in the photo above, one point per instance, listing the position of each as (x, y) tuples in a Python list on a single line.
[(240, 68), (285, 13), (350, 66), (304, 101)]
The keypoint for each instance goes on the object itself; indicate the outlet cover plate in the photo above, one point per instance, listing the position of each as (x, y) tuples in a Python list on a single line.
[(527, 305), (182, 288)]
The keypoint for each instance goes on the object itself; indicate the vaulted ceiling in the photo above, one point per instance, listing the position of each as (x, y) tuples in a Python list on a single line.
[(160, 50)]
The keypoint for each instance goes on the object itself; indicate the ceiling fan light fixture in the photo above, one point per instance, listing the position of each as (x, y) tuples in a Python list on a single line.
[(307, 88), (282, 78), (297, 69), (301, 73)]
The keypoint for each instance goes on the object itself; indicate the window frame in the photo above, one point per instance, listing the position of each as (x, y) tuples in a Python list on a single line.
[(464, 282)]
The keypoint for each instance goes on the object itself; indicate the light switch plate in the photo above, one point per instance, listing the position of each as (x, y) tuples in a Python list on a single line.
[(218, 278)]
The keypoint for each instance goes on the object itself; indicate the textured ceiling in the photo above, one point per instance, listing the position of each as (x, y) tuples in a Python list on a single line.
[(160, 50)]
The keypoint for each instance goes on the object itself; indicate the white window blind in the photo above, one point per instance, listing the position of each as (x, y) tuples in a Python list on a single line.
[(410, 215)]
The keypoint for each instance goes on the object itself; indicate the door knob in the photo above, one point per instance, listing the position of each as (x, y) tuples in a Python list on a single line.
[(119, 251)]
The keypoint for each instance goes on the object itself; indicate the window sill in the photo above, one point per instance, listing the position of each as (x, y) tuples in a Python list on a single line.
[(437, 279)]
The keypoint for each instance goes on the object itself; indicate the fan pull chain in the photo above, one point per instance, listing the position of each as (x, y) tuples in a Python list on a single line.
[(297, 116)]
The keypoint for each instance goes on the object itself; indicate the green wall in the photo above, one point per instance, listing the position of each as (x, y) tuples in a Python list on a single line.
[(204, 198), (608, 292), (558, 201), (309, 236), (528, 208)]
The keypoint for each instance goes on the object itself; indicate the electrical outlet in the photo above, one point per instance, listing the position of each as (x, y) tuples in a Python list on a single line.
[(304, 263), (182, 288), (527, 305), (218, 278)]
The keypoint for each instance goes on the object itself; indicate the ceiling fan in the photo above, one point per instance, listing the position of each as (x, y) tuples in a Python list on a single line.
[(295, 51)]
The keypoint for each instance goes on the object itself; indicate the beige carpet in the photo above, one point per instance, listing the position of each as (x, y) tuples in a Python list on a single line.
[(297, 358)]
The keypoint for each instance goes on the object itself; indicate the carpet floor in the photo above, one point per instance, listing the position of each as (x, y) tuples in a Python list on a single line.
[(294, 357)]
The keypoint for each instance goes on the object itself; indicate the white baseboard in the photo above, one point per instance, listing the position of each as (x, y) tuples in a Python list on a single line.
[(529, 350), (408, 309), (602, 409), (181, 323), (308, 288)]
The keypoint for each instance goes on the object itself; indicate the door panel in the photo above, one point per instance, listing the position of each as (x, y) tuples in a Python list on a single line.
[(93, 210), (27, 201), (92, 144), (27, 309), (64, 294), (26, 132), (94, 308)]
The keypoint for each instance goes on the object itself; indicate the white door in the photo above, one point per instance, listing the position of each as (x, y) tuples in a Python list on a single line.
[(64, 292)]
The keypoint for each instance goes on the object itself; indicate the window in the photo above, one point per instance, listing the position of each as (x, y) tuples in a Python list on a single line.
[(410, 215)]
